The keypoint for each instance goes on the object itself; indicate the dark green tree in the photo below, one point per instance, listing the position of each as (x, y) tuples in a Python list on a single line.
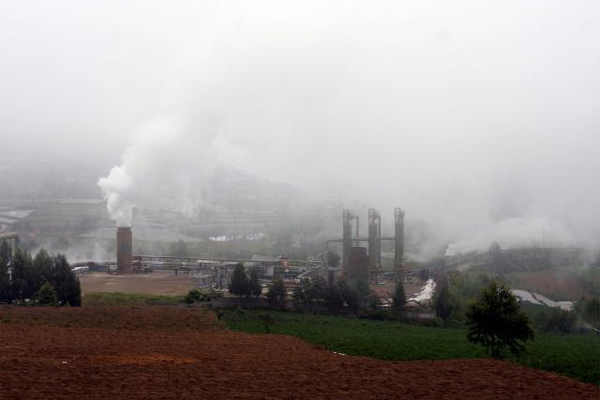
[(65, 282), (22, 276), (398, 298), (350, 297), (5, 290), (240, 283), (333, 298), (444, 303), (373, 301), (362, 289), (5, 251), (561, 320), (255, 286), (299, 296), (42, 268), (497, 322), (276, 294), (591, 312), (317, 290), (46, 296), (302, 295)]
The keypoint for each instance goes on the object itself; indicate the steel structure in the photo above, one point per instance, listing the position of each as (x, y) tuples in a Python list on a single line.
[(374, 239)]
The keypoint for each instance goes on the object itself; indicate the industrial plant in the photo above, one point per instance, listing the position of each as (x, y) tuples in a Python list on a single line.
[(357, 261)]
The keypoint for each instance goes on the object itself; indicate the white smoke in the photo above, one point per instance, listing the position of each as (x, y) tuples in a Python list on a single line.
[(164, 167)]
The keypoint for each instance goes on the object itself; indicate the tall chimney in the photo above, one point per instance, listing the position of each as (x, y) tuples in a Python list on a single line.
[(124, 250), (399, 234)]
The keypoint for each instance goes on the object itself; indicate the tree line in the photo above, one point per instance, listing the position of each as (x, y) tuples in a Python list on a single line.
[(315, 294), (458, 291), (42, 279)]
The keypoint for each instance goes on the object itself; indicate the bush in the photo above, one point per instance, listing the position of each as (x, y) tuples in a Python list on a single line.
[(276, 294), (433, 322), (46, 296)]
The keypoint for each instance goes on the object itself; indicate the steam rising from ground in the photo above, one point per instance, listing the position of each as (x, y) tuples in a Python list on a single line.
[(480, 119)]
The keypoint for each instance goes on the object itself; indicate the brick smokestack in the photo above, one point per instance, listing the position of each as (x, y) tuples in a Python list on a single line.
[(124, 250)]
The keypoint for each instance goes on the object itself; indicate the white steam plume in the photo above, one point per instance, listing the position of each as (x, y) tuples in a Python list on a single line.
[(164, 167)]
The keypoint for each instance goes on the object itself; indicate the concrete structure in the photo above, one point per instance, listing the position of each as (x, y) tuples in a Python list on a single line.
[(124, 250)]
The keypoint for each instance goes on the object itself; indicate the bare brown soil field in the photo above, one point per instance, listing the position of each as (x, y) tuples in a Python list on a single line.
[(186, 353), (154, 283)]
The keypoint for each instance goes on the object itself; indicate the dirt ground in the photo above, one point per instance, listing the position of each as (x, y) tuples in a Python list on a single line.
[(186, 353), (154, 283)]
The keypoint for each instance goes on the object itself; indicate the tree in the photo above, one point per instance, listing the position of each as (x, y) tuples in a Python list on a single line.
[(399, 298), (42, 268), (5, 295), (317, 290), (350, 297), (65, 282), (591, 312), (276, 294), (21, 265), (255, 286), (333, 298), (240, 284), (178, 249), (444, 303), (46, 296), (496, 321), (5, 251), (362, 289)]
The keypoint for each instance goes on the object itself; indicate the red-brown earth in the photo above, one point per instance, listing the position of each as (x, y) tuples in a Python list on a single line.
[(186, 353)]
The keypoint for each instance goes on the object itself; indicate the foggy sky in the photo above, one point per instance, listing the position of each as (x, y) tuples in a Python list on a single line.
[(480, 118)]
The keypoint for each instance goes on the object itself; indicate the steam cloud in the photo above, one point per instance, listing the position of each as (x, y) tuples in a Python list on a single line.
[(164, 166)]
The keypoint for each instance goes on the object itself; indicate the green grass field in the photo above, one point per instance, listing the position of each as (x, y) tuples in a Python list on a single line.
[(577, 356)]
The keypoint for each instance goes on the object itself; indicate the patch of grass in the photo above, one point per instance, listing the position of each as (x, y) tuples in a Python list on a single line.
[(387, 340), (577, 356), (100, 299)]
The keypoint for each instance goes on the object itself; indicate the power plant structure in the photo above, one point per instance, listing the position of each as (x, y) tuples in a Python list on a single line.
[(207, 272), (357, 261), (124, 250)]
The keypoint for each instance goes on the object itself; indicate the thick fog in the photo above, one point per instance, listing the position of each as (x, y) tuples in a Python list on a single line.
[(481, 119)]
